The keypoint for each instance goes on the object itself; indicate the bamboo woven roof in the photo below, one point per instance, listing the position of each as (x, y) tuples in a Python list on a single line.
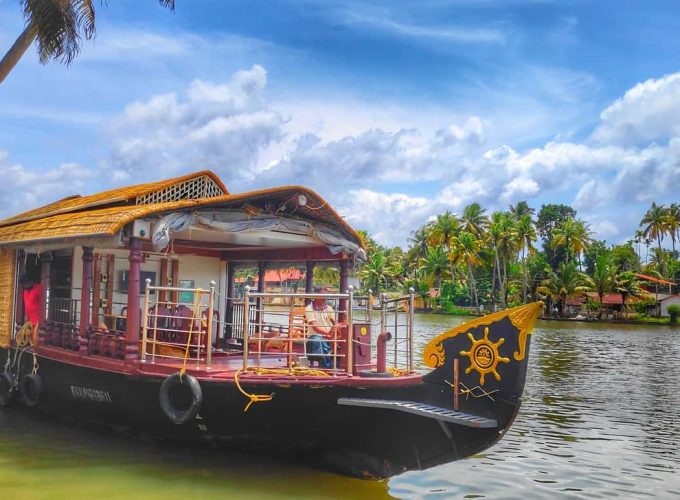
[(112, 197), (62, 224)]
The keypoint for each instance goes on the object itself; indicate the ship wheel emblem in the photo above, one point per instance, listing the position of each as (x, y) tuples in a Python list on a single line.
[(484, 357)]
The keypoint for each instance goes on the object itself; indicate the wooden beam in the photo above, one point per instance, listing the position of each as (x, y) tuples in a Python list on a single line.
[(174, 296), (85, 298), (280, 254), (309, 280), (231, 280), (110, 273), (97, 285), (133, 308), (163, 281)]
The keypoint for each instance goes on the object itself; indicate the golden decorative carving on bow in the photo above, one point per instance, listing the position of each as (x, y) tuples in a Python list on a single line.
[(484, 356), (522, 317)]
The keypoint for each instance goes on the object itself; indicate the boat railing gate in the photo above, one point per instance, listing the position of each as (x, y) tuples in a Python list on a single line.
[(278, 331), (178, 330), (392, 318)]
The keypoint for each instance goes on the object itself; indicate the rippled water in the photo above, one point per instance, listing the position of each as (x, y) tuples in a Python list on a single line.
[(601, 417)]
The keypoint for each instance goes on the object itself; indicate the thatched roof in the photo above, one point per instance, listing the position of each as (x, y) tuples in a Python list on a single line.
[(104, 214)]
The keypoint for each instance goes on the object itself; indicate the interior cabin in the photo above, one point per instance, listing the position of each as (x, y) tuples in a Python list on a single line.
[(149, 272)]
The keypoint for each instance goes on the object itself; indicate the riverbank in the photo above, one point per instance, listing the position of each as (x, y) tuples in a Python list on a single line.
[(638, 321)]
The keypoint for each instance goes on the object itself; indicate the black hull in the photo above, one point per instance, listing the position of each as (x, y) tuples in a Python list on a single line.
[(302, 422)]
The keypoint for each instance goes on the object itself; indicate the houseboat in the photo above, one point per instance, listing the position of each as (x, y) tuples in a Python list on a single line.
[(121, 308)]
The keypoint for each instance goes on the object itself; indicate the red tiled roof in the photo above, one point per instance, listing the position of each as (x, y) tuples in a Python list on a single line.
[(277, 275), (607, 299), (653, 279)]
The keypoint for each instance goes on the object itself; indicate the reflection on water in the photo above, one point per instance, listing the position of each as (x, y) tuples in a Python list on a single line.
[(601, 417)]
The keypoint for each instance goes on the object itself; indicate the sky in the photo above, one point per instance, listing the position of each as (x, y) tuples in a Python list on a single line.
[(394, 111)]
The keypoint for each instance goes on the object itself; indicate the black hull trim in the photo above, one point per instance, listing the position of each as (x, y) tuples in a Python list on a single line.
[(303, 423)]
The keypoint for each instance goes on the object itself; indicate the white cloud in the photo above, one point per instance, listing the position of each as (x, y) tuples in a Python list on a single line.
[(24, 188), (116, 44), (223, 127), (646, 113), (382, 20), (388, 217)]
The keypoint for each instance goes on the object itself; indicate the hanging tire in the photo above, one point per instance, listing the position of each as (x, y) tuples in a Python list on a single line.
[(176, 412), (31, 388), (7, 389)]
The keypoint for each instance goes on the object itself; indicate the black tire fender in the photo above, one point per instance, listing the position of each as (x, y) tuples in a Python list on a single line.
[(31, 388), (7, 389), (176, 415)]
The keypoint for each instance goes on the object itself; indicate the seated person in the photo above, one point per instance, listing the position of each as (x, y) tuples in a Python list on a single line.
[(321, 319)]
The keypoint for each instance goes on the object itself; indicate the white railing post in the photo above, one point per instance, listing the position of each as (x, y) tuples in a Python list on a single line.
[(349, 352), (209, 326), (411, 316), (246, 325), (145, 318)]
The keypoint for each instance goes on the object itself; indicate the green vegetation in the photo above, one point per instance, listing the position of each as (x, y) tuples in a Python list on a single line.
[(520, 255), (673, 311)]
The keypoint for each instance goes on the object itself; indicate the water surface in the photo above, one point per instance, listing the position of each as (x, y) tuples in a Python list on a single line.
[(601, 418)]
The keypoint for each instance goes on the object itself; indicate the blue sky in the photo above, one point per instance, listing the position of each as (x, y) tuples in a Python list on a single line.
[(394, 111)]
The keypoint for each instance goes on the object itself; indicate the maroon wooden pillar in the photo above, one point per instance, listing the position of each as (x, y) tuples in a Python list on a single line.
[(45, 271), (231, 281), (309, 280), (85, 298), (344, 286), (261, 272), (133, 309), (19, 289), (261, 275)]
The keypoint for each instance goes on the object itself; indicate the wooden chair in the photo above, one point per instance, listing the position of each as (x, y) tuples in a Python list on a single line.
[(297, 322), (215, 324)]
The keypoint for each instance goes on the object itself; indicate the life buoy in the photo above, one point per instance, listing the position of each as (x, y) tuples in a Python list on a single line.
[(7, 389), (31, 388), (180, 415)]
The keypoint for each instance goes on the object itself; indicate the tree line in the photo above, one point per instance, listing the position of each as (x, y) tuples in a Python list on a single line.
[(519, 255)]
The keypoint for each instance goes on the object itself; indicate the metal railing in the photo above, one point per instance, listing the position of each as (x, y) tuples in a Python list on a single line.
[(274, 326), (172, 330), (393, 316), (277, 331)]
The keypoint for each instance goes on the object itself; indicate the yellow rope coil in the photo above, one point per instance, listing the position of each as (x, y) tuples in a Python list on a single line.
[(25, 334), (261, 398)]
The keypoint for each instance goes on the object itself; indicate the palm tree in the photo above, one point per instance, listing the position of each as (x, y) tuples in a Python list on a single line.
[(655, 223), (574, 236), (418, 240), (59, 26), (468, 251), (327, 275), (366, 241), (638, 239), (627, 285), (603, 279), (443, 229), (442, 232), (522, 208), (374, 274), (526, 235), (561, 284), (474, 219), (501, 236), (673, 223), (435, 265)]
